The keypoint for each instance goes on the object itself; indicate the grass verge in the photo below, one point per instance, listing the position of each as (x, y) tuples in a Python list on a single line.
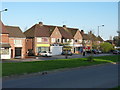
[(39, 66)]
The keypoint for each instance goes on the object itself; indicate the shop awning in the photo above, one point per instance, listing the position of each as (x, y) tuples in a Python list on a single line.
[(5, 45)]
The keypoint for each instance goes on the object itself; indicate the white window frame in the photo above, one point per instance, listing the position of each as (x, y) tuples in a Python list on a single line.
[(16, 42), (53, 40), (39, 39)]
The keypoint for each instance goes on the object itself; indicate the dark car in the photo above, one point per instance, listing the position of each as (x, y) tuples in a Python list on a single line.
[(94, 51), (116, 52), (67, 52)]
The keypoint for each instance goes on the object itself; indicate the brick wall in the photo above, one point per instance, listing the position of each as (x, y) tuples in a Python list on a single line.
[(28, 45), (5, 38)]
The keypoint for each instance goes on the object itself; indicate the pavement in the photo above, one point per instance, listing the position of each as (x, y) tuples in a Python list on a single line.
[(98, 76), (50, 58)]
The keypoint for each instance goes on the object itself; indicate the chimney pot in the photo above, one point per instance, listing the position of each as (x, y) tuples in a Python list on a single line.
[(64, 25), (41, 23), (82, 31)]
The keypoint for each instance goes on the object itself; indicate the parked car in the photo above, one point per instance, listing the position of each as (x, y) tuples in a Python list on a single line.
[(94, 51), (116, 52), (45, 53), (68, 53), (98, 51)]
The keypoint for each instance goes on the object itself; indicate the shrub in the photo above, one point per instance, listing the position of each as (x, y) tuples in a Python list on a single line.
[(106, 47), (90, 58)]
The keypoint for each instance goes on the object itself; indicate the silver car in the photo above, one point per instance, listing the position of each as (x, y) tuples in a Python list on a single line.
[(45, 53)]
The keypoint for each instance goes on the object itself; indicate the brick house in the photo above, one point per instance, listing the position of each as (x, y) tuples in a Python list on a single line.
[(50, 38), (99, 39), (42, 38), (86, 41), (4, 40), (16, 41), (74, 35), (90, 40)]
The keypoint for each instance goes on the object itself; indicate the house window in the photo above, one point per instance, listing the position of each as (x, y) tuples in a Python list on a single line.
[(71, 40), (17, 42), (88, 41), (65, 40), (45, 39), (53, 39), (58, 40), (39, 40), (80, 40)]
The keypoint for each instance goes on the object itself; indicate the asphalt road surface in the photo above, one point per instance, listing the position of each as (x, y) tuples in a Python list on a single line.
[(100, 76), (51, 58)]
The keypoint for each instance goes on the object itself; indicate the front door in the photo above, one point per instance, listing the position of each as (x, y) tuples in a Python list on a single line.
[(11, 53), (18, 52)]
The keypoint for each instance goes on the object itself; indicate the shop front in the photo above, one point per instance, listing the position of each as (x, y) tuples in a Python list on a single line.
[(78, 48), (5, 51), (43, 47)]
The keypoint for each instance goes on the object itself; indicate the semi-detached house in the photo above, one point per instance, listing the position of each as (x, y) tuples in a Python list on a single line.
[(49, 38), (16, 41), (5, 50)]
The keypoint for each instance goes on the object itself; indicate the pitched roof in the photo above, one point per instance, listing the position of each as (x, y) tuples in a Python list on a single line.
[(85, 36), (15, 32), (51, 28), (65, 33), (93, 37), (30, 32), (39, 31), (4, 31), (99, 38), (46, 30), (72, 31)]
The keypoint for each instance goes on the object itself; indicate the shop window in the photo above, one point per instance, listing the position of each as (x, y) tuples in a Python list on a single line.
[(4, 51), (39, 49)]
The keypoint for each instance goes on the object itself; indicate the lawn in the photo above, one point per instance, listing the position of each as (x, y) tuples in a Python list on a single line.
[(39, 66)]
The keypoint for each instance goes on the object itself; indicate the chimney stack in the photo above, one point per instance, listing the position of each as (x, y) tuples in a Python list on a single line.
[(90, 32), (82, 32), (41, 23)]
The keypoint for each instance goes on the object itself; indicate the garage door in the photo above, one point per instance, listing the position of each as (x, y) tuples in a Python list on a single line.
[(56, 50)]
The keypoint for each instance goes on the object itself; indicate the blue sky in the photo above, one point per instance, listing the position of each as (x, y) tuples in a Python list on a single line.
[(83, 15)]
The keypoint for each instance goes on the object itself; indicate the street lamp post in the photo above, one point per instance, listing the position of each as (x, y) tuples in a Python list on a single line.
[(99, 27), (2, 11)]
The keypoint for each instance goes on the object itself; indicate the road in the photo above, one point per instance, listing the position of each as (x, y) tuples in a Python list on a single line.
[(51, 58), (73, 56), (100, 76)]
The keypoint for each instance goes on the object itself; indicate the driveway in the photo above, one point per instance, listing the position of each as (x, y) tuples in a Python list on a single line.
[(100, 76)]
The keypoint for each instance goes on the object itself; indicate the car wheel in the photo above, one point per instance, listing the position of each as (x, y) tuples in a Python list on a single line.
[(45, 55)]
